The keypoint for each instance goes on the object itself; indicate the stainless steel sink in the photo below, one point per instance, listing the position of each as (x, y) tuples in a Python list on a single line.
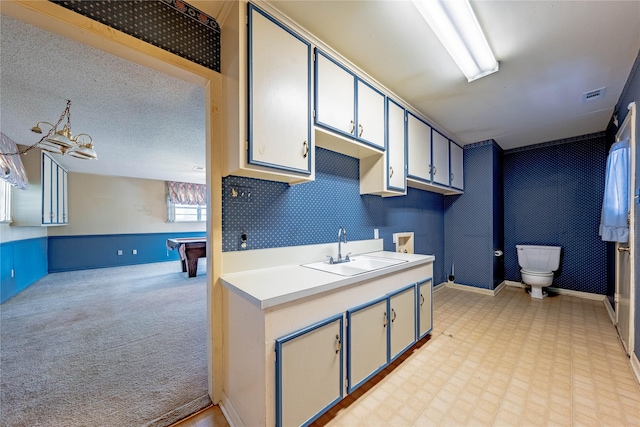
[(358, 265)]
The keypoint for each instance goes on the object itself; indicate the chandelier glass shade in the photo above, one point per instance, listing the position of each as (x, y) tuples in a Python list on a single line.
[(62, 141)]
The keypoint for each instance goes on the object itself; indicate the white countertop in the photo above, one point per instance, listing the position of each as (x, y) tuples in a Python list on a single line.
[(268, 287)]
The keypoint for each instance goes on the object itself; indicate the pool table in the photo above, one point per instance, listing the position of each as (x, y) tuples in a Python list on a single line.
[(190, 249)]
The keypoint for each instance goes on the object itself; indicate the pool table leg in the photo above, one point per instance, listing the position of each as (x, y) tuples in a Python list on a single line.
[(193, 266), (184, 266)]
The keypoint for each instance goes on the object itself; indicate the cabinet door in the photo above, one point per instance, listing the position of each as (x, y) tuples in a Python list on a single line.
[(370, 115), (48, 168), (402, 316), (366, 342), (60, 195), (279, 96), (396, 178), (457, 170), (440, 157), (425, 308), (335, 96), (309, 372), (418, 148)]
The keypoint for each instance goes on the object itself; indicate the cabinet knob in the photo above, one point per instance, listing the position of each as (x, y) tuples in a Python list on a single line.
[(361, 130), (452, 176), (353, 127), (339, 344), (384, 324), (393, 315), (434, 169), (421, 300), (390, 171), (305, 149)]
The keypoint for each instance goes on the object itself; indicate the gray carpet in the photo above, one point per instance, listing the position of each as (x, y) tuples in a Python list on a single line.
[(122, 346)]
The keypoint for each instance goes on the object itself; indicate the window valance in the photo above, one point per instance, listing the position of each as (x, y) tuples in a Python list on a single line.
[(11, 167), (186, 193)]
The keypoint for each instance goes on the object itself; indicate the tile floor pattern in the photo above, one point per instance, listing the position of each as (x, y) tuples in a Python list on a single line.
[(503, 361)]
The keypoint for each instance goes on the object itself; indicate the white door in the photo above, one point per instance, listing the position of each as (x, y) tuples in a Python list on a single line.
[(279, 96), (418, 148), (624, 257), (308, 372), (457, 167), (370, 107), (335, 96), (367, 342), (396, 179), (402, 321), (440, 158)]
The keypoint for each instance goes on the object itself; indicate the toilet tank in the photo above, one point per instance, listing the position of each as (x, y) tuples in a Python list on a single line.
[(543, 258)]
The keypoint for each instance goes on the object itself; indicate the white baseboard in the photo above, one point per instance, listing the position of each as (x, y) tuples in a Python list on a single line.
[(635, 365), (610, 310), (561, 291), (229, 411), (483, 291), (440, 286)]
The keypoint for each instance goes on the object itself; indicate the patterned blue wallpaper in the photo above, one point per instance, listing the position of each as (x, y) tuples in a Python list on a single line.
[(473, 227), (275, 214), (553, 196)]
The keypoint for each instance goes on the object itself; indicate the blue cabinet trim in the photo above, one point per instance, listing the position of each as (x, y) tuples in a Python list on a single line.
[(351, 387), (286, 338), (251, 160)]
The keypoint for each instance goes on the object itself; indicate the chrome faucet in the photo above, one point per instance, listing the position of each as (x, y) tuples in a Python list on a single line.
[(342, 237)]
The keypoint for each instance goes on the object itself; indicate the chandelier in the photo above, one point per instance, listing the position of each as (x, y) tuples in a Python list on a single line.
[(62, 141)]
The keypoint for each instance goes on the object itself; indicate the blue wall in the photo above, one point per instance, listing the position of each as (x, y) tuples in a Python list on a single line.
[(277, 214), (28, 259), (66, 253), (473, 220), (553, 196)]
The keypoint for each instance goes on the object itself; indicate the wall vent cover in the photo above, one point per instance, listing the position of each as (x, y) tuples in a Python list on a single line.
[(592, 95)]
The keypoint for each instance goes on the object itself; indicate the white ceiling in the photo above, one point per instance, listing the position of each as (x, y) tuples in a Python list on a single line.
[(146, 124)]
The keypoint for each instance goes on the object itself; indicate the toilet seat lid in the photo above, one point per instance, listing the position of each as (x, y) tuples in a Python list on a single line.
[(537, 272)]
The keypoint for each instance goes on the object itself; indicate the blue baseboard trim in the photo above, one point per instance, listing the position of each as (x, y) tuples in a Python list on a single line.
[(70, 253), (28, 260)]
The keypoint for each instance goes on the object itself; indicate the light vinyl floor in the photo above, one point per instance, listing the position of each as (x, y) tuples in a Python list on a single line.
[(503, 361)]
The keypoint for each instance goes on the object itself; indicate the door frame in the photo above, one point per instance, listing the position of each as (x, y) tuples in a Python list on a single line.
[(628, 127), (56, 19)]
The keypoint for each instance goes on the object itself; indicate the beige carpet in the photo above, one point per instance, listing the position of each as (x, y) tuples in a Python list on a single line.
[(121, 346)]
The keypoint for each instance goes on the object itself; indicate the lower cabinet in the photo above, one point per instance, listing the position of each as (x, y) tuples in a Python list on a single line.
[(367, 341), (425, 307), (309, 362), (309, 372), (402, 321)]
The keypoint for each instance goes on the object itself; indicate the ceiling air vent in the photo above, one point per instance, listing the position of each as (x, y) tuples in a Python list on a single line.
[(592, 95)]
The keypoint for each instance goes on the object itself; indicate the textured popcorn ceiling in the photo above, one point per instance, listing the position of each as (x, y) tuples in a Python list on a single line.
[(144, 123)]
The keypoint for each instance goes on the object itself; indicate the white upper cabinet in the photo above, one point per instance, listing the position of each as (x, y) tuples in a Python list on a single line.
[(457, 167), (279, 96), (418, 148), (347, 106), (440, 159), (370, 115), (335, 96), (396, 177)]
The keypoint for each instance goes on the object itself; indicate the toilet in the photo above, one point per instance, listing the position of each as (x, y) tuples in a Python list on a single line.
[(537, 265)]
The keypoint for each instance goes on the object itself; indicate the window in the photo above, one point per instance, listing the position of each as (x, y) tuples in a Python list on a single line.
[(5, 201), (185, 213)]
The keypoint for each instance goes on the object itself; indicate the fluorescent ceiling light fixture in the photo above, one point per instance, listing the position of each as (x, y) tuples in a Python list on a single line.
[(455, 24)]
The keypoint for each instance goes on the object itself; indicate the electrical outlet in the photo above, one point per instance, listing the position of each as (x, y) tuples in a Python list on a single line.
[(13, 273), (376, 234), (135, 252), (119, 251)]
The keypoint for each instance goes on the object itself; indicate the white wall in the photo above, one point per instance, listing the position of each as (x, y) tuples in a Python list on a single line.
[(116, 205), (9, 233)]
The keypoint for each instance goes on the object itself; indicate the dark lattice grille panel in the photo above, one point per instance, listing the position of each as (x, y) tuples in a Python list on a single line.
[(172, 25)]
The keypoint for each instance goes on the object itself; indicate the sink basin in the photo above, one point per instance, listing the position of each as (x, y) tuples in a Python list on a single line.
[(359, 264)]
